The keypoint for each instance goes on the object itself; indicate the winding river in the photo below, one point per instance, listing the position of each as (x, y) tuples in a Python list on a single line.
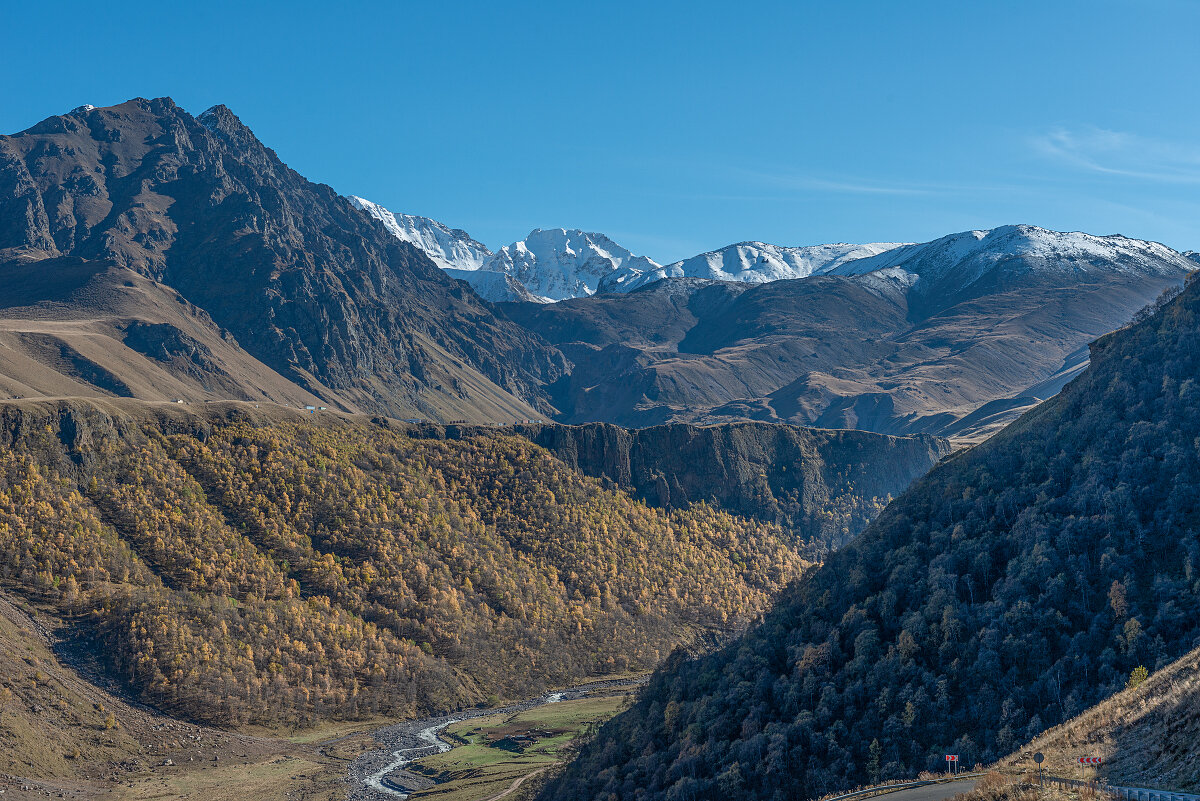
[(379, 775)]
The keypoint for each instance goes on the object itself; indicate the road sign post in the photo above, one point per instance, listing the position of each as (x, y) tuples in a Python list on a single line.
[(1085, 761), (951, 763)]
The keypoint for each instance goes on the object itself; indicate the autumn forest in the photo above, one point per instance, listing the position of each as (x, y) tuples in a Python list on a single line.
[(258, 572)]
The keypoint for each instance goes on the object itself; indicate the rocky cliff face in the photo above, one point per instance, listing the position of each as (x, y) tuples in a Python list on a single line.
[(314, 288), (823, 486)]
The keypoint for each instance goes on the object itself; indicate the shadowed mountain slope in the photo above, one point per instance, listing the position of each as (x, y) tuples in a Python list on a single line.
[(822, 487), (1013, 587)]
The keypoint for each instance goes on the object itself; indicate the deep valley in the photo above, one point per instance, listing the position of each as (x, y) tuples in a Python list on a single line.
[(305, 498)]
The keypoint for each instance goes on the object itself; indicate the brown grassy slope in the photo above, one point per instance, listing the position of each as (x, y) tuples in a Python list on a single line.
[(57, 737), (1149, 735), (56, 724), (119, 334), (50, 716), (998, 787)]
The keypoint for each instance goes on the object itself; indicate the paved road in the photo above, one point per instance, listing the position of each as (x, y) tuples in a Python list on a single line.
[(930, 792)]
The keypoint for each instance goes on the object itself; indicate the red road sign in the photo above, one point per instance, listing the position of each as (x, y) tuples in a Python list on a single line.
[(951, 757), (1090, 760)]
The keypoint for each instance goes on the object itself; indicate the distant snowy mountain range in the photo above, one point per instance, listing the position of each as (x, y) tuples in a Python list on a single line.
[(752, 263), (556, 263)]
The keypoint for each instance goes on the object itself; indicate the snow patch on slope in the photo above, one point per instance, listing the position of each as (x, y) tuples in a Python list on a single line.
[(449, 248), (891, 282)]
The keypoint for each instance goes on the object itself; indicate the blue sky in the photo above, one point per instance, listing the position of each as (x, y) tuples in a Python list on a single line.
[(675, 127)]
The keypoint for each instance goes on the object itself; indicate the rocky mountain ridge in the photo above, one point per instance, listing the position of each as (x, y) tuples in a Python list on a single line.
[(105, 211), (449, 248), (559, 263), (963, 265), (753, 263), (148, 253)]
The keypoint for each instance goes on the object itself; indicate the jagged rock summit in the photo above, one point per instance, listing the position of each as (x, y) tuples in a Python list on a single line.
[(143, 209), (558, 263)]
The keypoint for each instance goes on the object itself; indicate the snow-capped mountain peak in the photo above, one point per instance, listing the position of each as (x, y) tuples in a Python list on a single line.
[(560, 263), (452, 249), (760, 262), (967, 256), (550, 264)]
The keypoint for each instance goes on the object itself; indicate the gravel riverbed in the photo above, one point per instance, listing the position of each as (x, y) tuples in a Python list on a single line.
[(379, 775)]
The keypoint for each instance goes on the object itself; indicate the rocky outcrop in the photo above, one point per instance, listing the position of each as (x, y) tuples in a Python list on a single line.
[(824, 486)]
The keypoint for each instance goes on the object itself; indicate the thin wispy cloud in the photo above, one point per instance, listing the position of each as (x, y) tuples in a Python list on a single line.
[(793, 181), (1121, 153)]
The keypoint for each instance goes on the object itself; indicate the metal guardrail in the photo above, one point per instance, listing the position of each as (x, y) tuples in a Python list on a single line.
[(1146, 794), (891, 788), (1126, 793)]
